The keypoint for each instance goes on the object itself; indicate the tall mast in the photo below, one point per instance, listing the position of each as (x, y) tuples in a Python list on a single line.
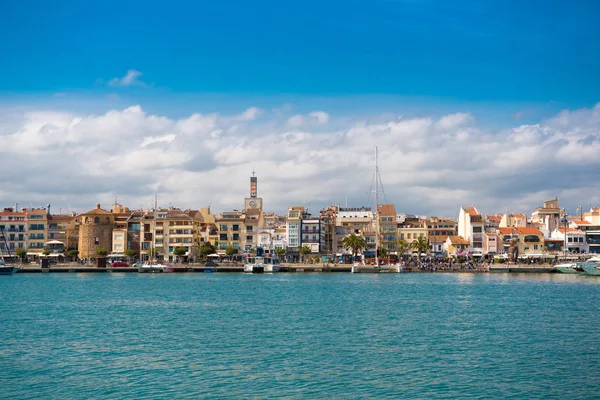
[(153, 249), (376, 206)]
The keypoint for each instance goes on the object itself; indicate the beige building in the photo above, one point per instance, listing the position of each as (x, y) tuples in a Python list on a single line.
[(530, 240), (513, 220), (386, 214), (455, 246), (13, 225), (548, 215), (37, 230), (95, 232), (360, 221)]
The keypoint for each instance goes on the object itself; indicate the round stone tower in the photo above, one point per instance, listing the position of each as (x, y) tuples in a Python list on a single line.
[(95, 232)]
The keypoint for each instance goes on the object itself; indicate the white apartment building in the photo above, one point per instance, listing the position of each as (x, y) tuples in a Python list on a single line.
[(471, 228)]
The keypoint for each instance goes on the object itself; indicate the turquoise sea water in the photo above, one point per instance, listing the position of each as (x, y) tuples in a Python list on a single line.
[(131, 336)]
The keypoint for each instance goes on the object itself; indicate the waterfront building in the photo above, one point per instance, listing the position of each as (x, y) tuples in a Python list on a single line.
[(437, 244), (327, 217), (548, 215), (513, 220), (37, 230), (529, 240), (440, 226), (591, 226), (471, 227), (134, 238), (13, 225), (492, 222), (357, 220), (230, 230), (95, 232), (576, 239), (293, 226), (386, 214), (61, 234), (411, 229), (310, 229), (456, 246), (491, 243)]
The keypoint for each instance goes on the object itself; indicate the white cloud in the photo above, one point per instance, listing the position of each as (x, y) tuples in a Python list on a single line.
[(131, 78), (321, 116), (428, 165), (250, 114), (453, 121)]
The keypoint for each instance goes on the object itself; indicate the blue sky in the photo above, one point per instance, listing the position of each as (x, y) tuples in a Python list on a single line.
[(498, 51), (466, 99)]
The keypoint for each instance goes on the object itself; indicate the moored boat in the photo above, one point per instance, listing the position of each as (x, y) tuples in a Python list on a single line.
[(7, 269), (260, 264), (154, 267), (570, 268), (591, 266)]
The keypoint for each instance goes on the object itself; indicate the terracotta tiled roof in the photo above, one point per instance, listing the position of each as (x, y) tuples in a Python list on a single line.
[(493, 217), (580, 222), (387, 210), (458, 240), (438, 238), (471, 210), (562, 230), (520, 231)]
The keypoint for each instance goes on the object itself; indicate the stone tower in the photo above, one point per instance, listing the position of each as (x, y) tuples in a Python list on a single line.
[(95, 232)]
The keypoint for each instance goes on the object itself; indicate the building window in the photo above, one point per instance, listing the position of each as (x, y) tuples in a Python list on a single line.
[(222, 227), (223, 236), (248, 238), (236, 228), (236, 236), (97, 220)]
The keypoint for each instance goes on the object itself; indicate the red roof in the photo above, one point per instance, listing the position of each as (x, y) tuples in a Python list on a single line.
[(520, 231)]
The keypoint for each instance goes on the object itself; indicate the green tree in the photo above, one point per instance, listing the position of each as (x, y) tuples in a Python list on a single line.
[(46, 252), (280, 251), (304, 250), (72, 254), (101, 252), (421, 245), (355, 243), (403, 247), (130, 253), (206, 249), (179, 251), (21, 253), (230, 250), (382, 252)]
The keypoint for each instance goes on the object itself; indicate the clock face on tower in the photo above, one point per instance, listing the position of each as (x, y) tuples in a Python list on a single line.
[(252, 204)]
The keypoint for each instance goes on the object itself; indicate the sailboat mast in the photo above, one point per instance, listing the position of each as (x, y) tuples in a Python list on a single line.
[(153, 250), (376, 206)]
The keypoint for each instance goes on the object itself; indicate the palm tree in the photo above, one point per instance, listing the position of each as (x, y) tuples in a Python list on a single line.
[(355, 243), (421, 245), (304, 250), (403, 247)]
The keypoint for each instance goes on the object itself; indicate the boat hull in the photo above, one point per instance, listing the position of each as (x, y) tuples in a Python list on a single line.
[(8, 270), (591, 268), (569, 269)]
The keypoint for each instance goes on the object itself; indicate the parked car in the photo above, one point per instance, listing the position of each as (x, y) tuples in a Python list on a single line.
[(119, 264)]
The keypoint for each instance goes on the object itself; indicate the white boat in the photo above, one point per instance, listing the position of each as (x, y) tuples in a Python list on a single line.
[(4, 268), (591, 266), (259, 264), (154, 267), (570, 268)]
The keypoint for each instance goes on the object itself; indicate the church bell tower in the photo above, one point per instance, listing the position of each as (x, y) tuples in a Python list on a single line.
[(253, 202)]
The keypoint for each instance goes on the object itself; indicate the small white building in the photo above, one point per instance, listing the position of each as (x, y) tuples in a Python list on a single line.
[(576, 239)]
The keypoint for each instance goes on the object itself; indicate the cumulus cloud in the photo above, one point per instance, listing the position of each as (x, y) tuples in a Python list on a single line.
[(131, 78), (453, 121), (428, 165), (250, 114)]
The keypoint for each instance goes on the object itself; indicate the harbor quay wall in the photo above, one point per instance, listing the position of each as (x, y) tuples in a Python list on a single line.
[(286, 268)]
